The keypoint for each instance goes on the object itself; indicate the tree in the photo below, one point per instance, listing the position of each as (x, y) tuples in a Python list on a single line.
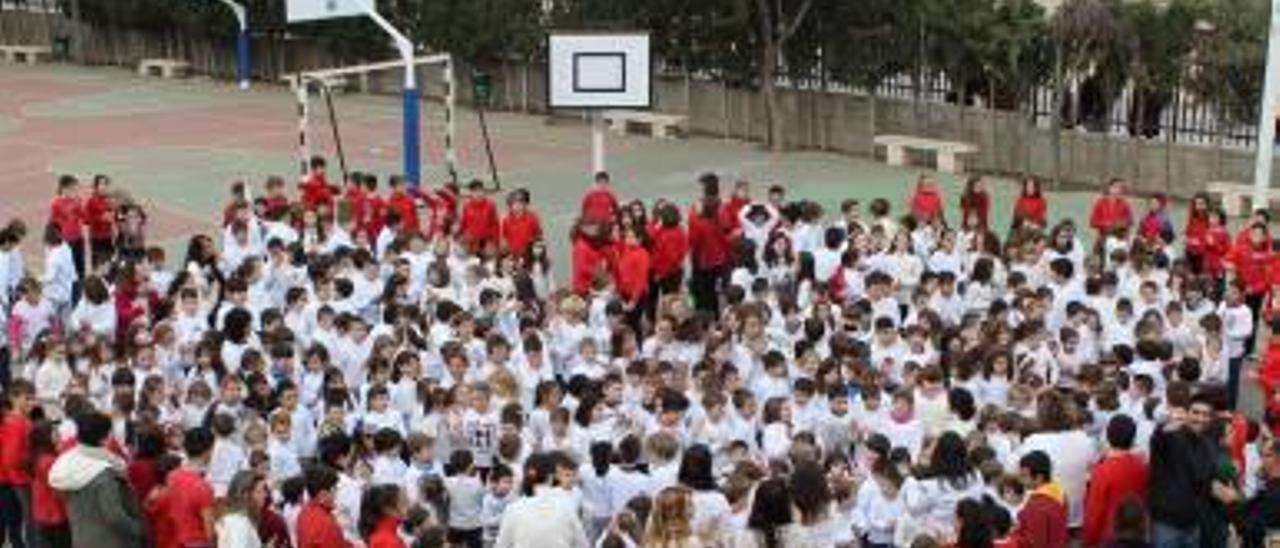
[(1229, 57), (776, 25)]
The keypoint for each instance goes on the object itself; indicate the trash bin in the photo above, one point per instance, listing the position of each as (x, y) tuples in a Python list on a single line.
[(61, 48)]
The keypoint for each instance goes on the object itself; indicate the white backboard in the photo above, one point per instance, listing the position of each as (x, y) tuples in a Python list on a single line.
[(599, 70), (315, 10)]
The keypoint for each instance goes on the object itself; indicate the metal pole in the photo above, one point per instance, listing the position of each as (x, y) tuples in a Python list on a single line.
[(333, 124), (411, 96), (300, 92), (488, 148), (597, 142), (242, 42), (450, 120), (1267, 117)]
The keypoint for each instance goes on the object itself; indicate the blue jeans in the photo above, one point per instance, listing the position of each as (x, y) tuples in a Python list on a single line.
[(1167, 536)]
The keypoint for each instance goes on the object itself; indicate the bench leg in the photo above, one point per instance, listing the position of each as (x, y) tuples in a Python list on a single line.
[(895, 155), (947, 163)]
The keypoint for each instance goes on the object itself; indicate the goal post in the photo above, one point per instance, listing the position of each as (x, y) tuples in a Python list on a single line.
[(325, 79)]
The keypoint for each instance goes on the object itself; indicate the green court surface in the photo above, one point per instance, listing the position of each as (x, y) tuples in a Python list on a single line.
[(179, 144)]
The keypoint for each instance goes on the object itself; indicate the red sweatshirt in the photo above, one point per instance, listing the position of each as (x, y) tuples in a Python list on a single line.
[(588, 259), (1042, 522), (599, 204), (632, 273), (1110, 212), (47, 508), (479, 223), (68, 213), (408, 208), (317, 528), (1217, 246), (357, 205), (520, 230), (15, 429), (1197, 233), (99, 216), (1031, 208), (444, 211), (708, 242), (385, 534), (729, 215), (156, 509), (977, 206), (926, 204), (670, 246), (316, 192), (1251, 264), (1114, 480)]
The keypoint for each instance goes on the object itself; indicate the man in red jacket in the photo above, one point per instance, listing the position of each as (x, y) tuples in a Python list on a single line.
[(1042, 522), (599, 203), (521, 227), (15, 483), (1120, 476), (708, 248), (317, 527), (315, 187), (478, 225), (1111, 210)]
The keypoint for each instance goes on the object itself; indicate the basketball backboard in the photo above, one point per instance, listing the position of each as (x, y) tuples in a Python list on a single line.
[(599, 70), (315, 10)]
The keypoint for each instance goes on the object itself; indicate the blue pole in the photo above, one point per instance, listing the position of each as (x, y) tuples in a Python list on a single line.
[(412, 161), (242, 57)]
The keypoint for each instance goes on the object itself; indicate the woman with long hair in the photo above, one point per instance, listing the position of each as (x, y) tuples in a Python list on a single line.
[(237, 513), (975, 205), (1196, 233), (1060, 435), (947, 478), (670, 521), (382, 509), (770, 518), (1031, 209), (711, 508)]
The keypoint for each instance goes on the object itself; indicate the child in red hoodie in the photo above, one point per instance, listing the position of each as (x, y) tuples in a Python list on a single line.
[(1268, 378), (1111, 210), (47, 509), (521, 227), (926, 203), (15, 481), (479, 224), (315, 187), (100, 215)]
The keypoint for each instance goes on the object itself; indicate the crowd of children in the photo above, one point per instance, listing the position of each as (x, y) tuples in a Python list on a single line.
[(346, 366)]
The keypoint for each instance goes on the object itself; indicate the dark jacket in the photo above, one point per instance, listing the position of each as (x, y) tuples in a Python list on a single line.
[(1262, 514), (101, 507), (1180, 476)]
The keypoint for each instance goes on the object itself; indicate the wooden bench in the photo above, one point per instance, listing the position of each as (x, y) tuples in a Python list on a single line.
[(1233, 196), (948, 153), (661, 126), (24, 54), (164, 68)]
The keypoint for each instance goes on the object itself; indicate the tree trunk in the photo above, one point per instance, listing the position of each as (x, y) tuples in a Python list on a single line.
[(769, 87)]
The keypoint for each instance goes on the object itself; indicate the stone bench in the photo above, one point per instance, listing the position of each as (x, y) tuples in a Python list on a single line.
[(661, 126), (164, 68), (336, 84), (1233, 195), (948, 153), (24, 54)]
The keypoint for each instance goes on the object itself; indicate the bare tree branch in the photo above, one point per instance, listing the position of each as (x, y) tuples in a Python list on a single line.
[(796, 21)]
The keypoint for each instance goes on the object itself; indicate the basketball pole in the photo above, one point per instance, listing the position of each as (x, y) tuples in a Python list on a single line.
[(597, 142), (242, 42), (411, 96), (1267, 116)]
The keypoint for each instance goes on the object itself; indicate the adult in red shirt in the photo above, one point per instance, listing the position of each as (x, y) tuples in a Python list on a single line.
[(317, 527), (670, 247), (926, 202), (1121, 475), (99, 215), (1042, 521), (1111, 210), (67, 212), (403, 202), (1031, 207), (479, 225), (1217, 245), (443, 205), (591, 248), (1250, 259), (1197, 232), (599, 204), (276, 199), (381, 510), (708, 248), (15, 483), (316, 191), (975, 205), (190, 495), (374, 214), (521, 227)]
